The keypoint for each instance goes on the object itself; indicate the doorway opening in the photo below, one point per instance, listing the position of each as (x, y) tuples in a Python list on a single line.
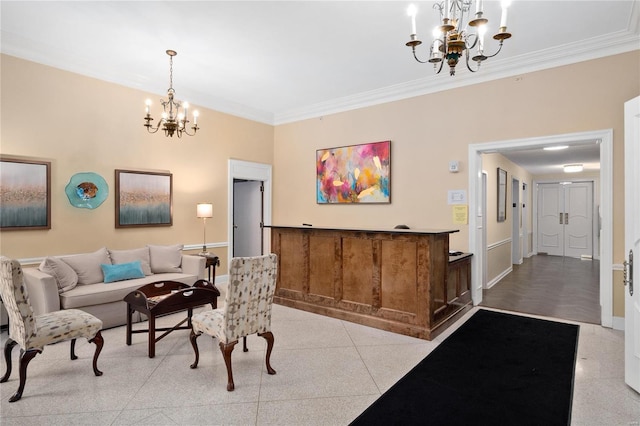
[(248, 218), (605, 139), (249, 187)]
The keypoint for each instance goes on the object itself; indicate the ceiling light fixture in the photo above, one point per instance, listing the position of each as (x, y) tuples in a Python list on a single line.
[(555, 148), (451, 40), (573, 168), (172, 121)]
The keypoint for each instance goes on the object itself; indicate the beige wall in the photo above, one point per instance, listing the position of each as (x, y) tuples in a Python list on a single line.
[(82, 124), (499, 257)]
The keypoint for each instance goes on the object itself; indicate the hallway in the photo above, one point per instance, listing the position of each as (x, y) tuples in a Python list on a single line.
[(554, 286)]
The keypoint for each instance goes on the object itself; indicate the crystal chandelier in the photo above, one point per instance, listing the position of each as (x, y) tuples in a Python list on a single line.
[(452, 40), (172, 121)]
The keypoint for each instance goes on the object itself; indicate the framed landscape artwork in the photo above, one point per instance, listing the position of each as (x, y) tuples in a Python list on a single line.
[(143, 199), (25, 194), (354, 174)]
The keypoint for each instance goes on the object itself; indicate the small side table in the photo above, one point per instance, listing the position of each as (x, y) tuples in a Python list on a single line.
[(211, 262), (167, 297)]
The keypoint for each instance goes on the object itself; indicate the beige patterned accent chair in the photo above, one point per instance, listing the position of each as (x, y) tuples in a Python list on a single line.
[(32, 332), (247, 309)]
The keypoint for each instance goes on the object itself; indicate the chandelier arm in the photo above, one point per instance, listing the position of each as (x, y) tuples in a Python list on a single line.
[(194, 128), (441, 65), (152, 129), (469, 66), (475, 40), (416, 56), (498, 51)]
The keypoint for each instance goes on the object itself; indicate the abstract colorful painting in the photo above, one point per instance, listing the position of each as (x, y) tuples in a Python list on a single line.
[(143, 199), (25, 194), (354, 174)]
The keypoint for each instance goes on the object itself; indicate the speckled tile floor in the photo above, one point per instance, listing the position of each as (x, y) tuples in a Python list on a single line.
[(328, 372)]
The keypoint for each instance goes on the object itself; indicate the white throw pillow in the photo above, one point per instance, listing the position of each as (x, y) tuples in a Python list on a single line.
[(165, 258), (127, 256), (65, 276), (87, 266)]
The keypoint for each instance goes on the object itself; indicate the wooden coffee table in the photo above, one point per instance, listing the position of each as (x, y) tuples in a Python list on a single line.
[(167, 297)]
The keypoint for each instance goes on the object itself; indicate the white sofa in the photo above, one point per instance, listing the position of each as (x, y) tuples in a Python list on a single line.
[(78, 281)]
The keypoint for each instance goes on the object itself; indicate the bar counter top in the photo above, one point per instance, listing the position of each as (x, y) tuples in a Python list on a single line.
[(386, 231)]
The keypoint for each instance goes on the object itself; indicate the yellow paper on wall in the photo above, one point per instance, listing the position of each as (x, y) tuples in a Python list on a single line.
[(460, 214)]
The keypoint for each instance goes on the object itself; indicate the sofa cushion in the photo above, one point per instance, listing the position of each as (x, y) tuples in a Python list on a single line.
[(165, 258), (87, 265), (96, 294), (122, 271), (65, 276), (125, 256)]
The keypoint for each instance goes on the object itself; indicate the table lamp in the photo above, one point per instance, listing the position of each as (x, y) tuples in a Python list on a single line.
[(204, 210)]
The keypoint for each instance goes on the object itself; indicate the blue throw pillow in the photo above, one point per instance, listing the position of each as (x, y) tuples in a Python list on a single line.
[(122, 271)]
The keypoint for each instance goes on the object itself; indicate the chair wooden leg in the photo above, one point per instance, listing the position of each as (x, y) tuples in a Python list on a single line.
[(99, 341), (8, 347), (73, 349), (192, 337), (25, 358), (226, 349), (244, 344), (268, 336)]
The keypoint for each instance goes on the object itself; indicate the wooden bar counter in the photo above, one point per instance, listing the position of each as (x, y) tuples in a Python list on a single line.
[(398, 280)]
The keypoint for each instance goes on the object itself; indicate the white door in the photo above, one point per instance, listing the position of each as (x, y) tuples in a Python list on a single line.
[(550, 230), (565, 214), (578, 219), (632, 242), (247, 218)]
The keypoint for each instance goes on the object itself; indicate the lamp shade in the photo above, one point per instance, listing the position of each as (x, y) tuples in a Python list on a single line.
[(204, 210)]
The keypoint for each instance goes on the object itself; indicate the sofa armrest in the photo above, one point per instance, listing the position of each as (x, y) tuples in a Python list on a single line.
[(43, 291), (193, 265)]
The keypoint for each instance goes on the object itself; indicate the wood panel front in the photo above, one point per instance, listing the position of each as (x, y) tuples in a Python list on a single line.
[(357, 270), (293, 261), (390, 280), (321, 265), (399, 275)]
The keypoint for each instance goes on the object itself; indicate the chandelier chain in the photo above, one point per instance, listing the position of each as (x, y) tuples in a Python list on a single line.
[(170, 72)]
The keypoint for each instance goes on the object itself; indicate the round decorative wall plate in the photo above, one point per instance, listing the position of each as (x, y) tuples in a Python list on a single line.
[(87, 190)]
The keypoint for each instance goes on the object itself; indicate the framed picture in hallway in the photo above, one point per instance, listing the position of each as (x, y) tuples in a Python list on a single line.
[(143, 199), (502, 195), (355, 174), (25, 194)]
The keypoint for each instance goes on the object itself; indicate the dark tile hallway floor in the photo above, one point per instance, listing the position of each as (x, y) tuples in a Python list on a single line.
[(554, 286)]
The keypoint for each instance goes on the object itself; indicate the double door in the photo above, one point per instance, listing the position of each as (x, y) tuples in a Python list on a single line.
[(565, 219)]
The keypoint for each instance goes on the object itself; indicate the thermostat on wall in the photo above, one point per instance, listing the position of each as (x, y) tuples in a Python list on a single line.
[(453, 166)]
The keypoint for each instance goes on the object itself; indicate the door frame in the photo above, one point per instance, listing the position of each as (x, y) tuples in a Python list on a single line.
[(239, 169), (605, 137), (632, 233), (516, 242), (525, 220)]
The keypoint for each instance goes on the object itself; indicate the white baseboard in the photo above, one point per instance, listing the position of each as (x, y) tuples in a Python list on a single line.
[(499, 277), (618, 323)]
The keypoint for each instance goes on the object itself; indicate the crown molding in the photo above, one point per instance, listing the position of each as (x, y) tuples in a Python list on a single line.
[(584, 50)]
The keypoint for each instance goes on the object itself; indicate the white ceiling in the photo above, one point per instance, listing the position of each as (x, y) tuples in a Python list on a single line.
[(537, 161), (282, 61)]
